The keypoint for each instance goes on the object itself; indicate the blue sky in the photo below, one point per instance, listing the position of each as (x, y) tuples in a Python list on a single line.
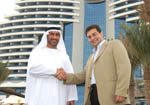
[(6, 8)]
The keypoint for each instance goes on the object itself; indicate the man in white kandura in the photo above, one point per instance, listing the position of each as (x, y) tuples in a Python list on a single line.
[(42, 87)]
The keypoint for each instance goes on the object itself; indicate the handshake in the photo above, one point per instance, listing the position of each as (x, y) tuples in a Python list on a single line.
[(61, 74)]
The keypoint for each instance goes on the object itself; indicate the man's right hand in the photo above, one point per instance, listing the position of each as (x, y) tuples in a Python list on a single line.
[(61, 74), (119, 99)]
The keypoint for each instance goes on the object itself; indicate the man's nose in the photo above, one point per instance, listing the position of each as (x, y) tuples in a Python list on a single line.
[(92, 37)]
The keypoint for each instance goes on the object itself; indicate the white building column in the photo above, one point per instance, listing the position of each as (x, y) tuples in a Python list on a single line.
[(110, 29), (78, 40)]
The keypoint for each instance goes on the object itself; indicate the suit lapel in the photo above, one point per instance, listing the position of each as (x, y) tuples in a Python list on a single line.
[(91, 64), (89, 72), (102, 50)]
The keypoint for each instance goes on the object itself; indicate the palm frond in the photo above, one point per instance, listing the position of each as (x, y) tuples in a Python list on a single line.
[(139, 37), (144, 11), (4, 71)]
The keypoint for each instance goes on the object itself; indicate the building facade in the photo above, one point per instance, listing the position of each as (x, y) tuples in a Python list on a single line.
[(109, 14), (22, 32)]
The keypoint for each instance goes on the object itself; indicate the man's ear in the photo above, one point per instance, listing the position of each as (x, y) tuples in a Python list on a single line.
[(102, 34)]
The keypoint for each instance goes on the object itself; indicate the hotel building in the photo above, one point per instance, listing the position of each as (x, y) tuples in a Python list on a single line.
[(23, 30)]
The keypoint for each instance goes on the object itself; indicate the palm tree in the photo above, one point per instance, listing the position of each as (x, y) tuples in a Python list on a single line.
[(134, 59), (144, 12), (139, 37), (4, 72)]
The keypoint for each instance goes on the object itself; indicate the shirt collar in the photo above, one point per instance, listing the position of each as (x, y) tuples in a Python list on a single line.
[(99, 46)]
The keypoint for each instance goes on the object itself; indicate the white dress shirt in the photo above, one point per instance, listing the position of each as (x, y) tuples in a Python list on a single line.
[(95, 55)]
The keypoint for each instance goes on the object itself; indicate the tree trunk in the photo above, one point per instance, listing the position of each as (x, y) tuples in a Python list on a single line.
[(147, 83), (147, 91), (132, 90), (11, 92)]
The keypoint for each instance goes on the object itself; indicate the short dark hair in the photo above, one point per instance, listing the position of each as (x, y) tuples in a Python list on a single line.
[(93, 26)]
